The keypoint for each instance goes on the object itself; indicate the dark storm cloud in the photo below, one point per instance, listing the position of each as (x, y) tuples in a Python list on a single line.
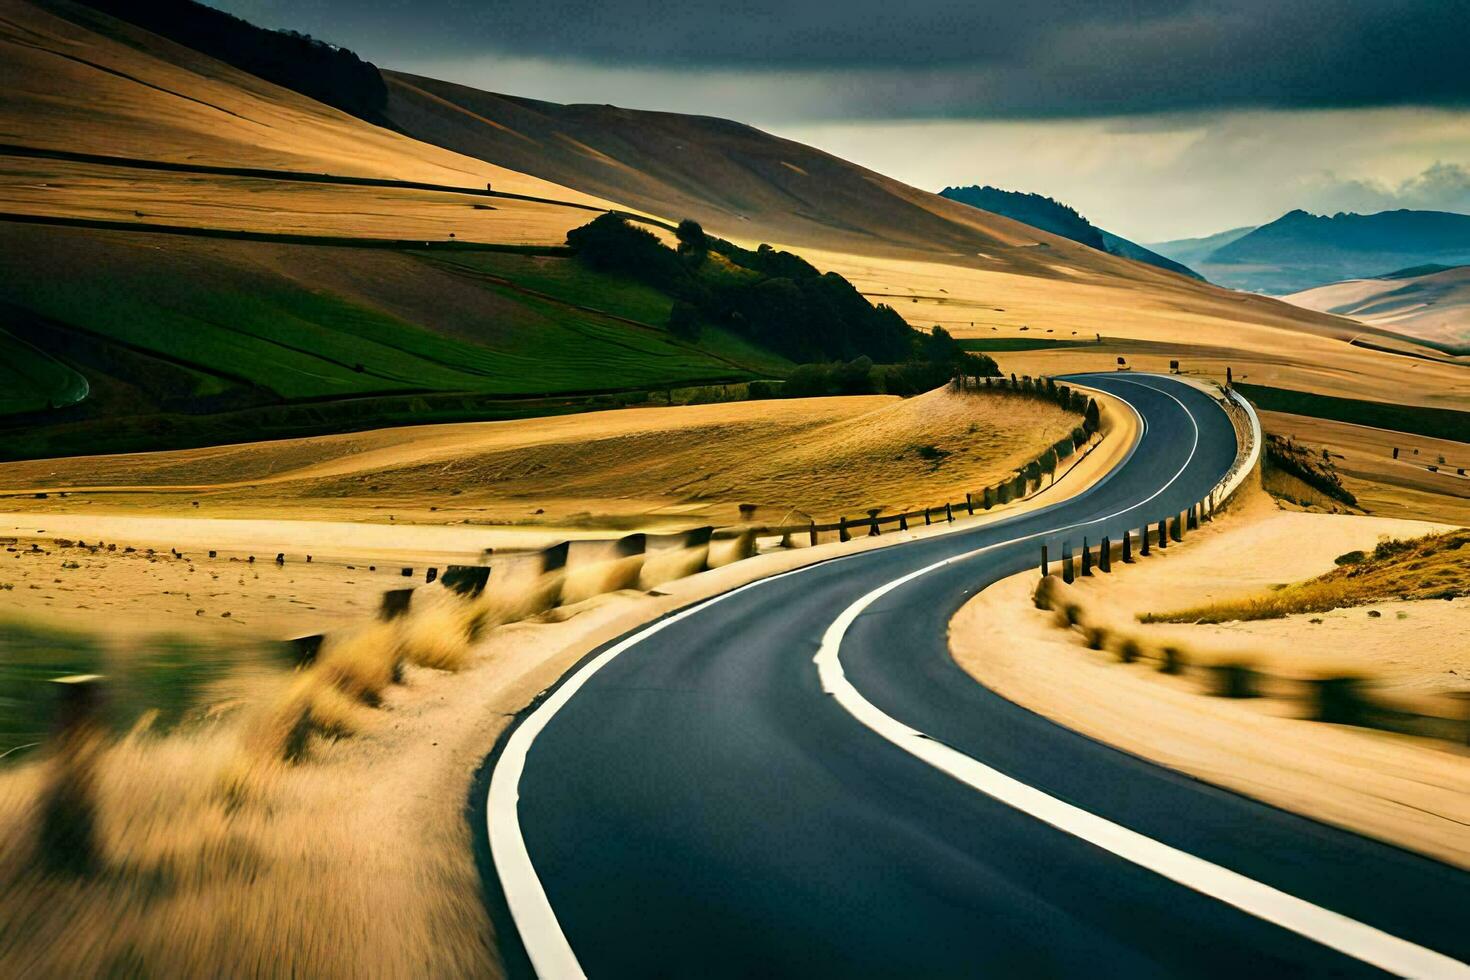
[(891, 58)]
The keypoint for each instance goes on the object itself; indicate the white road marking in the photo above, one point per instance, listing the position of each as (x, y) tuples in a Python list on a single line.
[(541, 934), (1331, 929), (546, 945)]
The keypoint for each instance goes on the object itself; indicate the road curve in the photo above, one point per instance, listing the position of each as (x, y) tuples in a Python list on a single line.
[(795, 779)]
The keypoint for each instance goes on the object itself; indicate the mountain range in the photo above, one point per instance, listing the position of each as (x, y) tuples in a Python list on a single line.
[(1060, 219), (1301, 251)]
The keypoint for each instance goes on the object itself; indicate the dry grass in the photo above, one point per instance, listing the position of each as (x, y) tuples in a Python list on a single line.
[(822, 457), (1436, 566), (234, 844)]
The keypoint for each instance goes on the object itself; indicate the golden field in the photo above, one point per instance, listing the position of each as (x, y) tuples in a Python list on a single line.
[(817, 458)]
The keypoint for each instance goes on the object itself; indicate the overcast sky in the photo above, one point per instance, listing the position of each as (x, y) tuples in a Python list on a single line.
[(1155, 119)]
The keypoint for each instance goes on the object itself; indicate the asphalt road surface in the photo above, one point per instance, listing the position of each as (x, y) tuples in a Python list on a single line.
[(795, 779)]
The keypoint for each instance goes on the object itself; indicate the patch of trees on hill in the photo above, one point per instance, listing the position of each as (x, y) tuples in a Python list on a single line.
[(1032, 209), (296, 61), (777, 300)]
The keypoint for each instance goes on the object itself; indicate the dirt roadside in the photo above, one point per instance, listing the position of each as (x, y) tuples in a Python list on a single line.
[(1411, 792)]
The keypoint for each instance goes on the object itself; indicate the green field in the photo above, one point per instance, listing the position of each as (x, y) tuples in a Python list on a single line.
[(31, 380), (1437, 423), (166, 340)]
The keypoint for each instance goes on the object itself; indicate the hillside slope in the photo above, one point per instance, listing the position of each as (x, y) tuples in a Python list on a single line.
[(733, 179), (1432, 307)]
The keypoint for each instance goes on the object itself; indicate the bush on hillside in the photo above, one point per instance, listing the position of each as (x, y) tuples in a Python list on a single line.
[(779, 300), (692, 243)]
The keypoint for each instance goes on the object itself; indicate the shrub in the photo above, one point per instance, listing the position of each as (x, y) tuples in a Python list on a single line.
[(692, 243), (1350, 558)]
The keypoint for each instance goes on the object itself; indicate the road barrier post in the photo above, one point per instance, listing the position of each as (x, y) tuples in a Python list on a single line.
[(1143, 541), (68, 842), (903, 522), (842, 534), (395, 603), (970, 504), (1105, 555), (303, 649), (948, 512), (812, 533), (1086, 559), (927, 522), (1176, 527), (1163, 535), (1194, 517), (466, 580), (873, 531), (1045, 565), (1067, 562), (1127, 547)]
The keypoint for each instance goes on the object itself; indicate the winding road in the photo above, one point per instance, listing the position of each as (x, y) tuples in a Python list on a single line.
[(795, 779)]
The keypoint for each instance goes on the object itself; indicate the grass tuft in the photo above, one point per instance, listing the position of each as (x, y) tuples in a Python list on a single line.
[(1436, 566)]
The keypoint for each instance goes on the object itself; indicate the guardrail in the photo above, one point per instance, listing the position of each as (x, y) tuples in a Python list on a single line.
[(1173, 526), (1020, 486)]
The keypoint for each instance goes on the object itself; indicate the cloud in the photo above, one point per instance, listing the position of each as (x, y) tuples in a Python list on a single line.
[(1175, 176), (1440, 187), (935, 58)]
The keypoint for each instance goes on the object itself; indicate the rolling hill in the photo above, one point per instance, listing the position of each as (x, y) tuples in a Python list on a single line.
[(1059, 219), (169, 165), (1429, 303)]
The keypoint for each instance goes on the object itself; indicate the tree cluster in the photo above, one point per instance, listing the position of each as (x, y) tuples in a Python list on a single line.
[(777, 300), (296, 61)]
